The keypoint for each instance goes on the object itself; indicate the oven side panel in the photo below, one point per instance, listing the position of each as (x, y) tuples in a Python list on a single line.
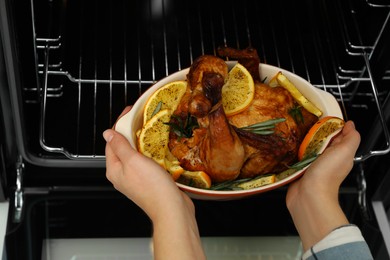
[(21, 73), (11, 85), (8, 132)]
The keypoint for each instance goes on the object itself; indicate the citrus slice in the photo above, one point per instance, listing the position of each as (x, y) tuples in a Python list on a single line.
[(284, 174), (154, 136), (172, 165), (166, 97), (257, 182), (197, 179), (297, 95), (318, 133), (238, 91), (274, 82)]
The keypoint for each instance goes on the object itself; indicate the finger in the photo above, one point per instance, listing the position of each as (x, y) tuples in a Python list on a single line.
[(111, 158), (124, 112), (113, 164), (350, 136), (119, 145)]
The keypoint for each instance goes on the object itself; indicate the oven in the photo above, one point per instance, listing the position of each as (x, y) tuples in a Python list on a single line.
[(68, 68)]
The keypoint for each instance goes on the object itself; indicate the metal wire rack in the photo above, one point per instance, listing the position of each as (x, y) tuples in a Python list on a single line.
[(102, 56)]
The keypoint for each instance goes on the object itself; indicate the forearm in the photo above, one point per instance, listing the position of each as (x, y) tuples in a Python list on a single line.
[(176, 236), (315, 216)]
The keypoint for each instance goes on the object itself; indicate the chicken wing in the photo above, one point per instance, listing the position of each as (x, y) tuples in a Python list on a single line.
[(247, 57)]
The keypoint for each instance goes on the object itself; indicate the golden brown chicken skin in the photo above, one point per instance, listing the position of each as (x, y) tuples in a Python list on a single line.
[(271, 153), (247, 57), (221, 150), (206, 74)]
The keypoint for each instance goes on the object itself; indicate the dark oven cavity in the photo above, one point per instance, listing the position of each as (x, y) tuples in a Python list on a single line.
[(92, 58)]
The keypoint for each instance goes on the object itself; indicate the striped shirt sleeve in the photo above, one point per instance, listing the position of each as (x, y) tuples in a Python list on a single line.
[(344, 243)]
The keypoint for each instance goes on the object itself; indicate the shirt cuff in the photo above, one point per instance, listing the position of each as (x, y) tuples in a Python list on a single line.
[(340, 236)]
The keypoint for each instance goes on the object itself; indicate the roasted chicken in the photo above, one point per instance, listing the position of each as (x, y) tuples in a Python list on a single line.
[(218, 145)]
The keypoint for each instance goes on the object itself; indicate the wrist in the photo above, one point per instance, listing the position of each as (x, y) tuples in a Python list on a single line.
[(176, 228), (315, 215)]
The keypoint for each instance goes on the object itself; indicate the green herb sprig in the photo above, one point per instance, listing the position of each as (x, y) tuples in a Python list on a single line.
[(183, 128), (305, 161), (157, 109), (229, 185), (296, 114), (233, 185), (263, 128)]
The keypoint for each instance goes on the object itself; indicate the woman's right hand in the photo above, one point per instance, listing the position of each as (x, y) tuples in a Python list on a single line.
[(313, 199)]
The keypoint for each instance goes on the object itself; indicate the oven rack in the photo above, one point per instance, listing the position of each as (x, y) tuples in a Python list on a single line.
[(354, 87)]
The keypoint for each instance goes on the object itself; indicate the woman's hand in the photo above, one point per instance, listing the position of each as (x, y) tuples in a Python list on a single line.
[(313, 199), (150, 186)]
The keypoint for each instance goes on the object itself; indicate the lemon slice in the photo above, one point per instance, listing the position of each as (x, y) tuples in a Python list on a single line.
[(257, 182), (154, 137), (318, 133), (297, 95), (238, 91), (197, 179), (166, 97)]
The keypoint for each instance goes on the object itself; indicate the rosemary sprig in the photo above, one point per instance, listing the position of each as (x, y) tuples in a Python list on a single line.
[(229, 185), (183, 128), (263, 128), (296, 114), (157, 109), (296, 167), (233, 185), (306, 161)]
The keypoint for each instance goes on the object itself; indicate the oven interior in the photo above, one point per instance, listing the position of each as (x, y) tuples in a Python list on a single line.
[(82, 62), (93, 58)]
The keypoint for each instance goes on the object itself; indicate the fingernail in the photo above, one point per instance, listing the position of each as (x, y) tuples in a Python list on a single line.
[(107, 135)]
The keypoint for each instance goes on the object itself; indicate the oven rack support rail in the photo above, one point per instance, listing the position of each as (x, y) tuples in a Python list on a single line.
[(50, 92)]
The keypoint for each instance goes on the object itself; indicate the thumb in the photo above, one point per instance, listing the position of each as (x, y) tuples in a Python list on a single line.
[(118, 144)]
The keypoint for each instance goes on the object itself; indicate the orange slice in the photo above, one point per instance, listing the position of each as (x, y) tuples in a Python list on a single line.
[(172, 165), (166, 97), (154, 136), (238, 91), (318, 133), (197, 179)]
